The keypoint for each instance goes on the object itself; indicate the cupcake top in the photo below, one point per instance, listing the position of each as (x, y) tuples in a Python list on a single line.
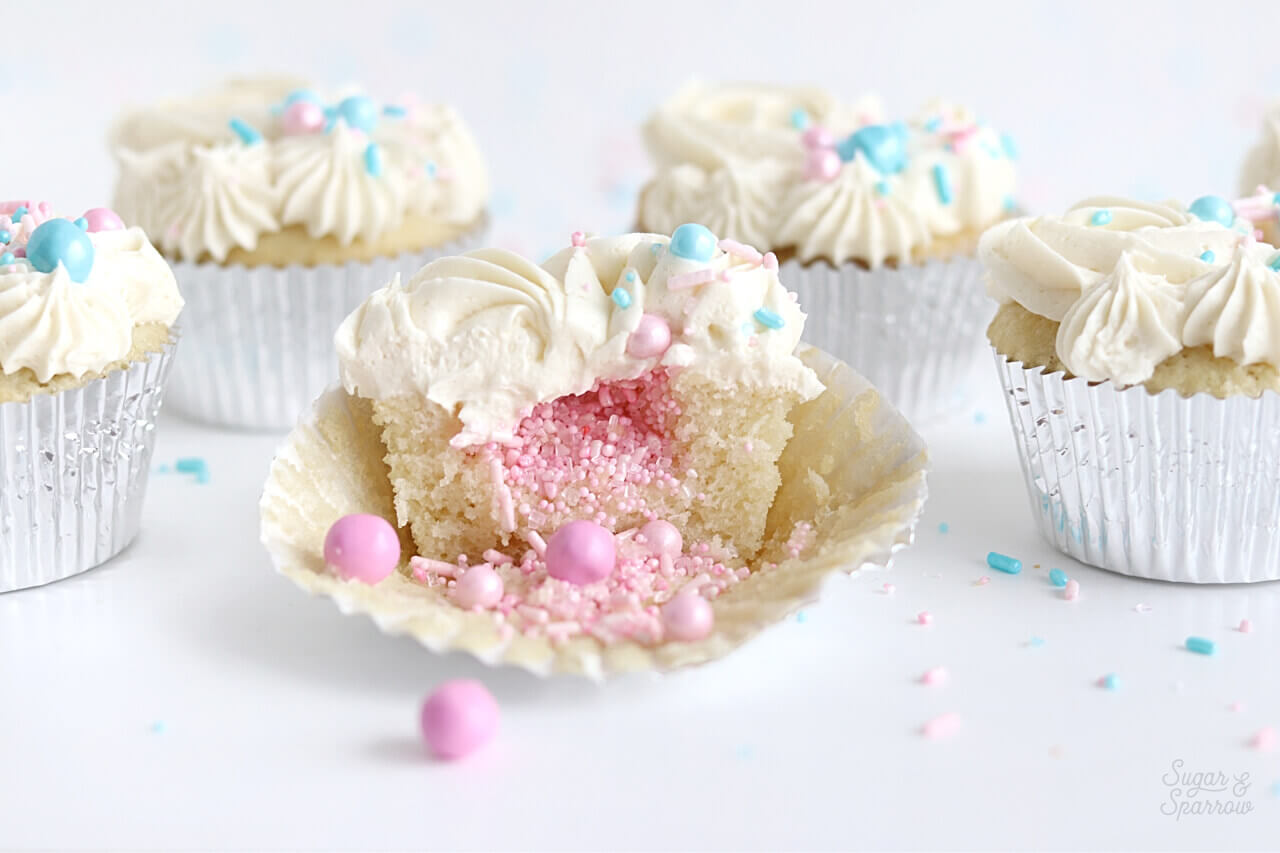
[(489, 334), (792, 168), (1132, 284), (215, 172), (72, 292)]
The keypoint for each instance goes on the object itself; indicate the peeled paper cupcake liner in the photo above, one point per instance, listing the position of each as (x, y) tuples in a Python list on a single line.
[(854, 468), (1151, 485), (73, 472), (258, 345), (915, 331)]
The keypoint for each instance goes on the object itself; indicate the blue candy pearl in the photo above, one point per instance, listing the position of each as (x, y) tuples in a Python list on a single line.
[(59, 241), (359, 112), (693, 242), (302, 95), (1213, 208), (884, 146)]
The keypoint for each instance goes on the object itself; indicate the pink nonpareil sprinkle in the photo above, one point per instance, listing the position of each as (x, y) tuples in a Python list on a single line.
[(941, 727), (1245, 626), (935, 677), (1265, 739), (983, 581), (924, 617), (578, 239), (686, 280), (1072, 590)]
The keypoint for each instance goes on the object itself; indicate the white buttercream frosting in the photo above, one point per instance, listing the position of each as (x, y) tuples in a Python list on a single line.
[(735, 155), (52, 325), (1236, 309), (489, 334), (200, 190)]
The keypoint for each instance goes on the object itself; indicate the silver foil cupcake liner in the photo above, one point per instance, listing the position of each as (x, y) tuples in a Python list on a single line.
[(73, 472), (258, 341), (915, 332), (1152, 485)]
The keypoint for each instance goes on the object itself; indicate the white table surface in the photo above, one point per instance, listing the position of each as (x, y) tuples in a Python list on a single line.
[(186, 696)]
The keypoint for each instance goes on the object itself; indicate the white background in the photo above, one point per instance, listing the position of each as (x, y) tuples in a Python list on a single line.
[(185, 696)]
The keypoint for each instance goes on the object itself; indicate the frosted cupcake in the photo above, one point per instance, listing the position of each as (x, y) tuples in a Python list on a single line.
[(1260, 179), (279, 206), (589, 452), (1139, 347), (87, 309), (876, 222)]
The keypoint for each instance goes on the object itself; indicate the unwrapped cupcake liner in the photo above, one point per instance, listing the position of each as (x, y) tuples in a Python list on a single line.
[(915, 331), (258, 343), (1152, 485), (73, 472), (854, 468)]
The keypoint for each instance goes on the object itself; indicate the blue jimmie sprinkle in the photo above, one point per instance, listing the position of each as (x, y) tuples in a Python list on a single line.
[(1010, 205), (799, 119), (19, 212), (944, 528), (933, 124), (193, 465), (621, 298), (7, 258), (394, 111), (5, 237), (991, 150), (82, 224), (373, 159), (802, 617), (765, 317), (1207, 256), (942, 181), (1003, 563), (1058, 577), (158, 727), (1036, 642), (1200, 645), (1110, 681), (245, 131), (1100, 217), (1010, 148), (431, 168), (1274, 263), (882, 187)]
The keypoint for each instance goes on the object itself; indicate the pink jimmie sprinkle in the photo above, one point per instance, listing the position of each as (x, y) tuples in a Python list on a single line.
[(742, 250), (1265, 740), (942, 727), (536, 542), (578, 238), (496, 557), (983, 581), (686, 280), (1236, 706), (439, 567), (889, 589), (934, 677), (506, 505), (1072, 590), (924, 617), (1246, 627)]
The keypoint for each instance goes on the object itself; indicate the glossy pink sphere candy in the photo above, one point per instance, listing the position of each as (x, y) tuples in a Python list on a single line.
[(581, 552), (362, 547), (651, 338), (818, 137), (458, 718), (481, 586), (688, 617), (103, 219), (823, 164), (662, 537), (302, 117)]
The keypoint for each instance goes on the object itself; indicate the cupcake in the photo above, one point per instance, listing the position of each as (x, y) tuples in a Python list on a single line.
[(87, 312), (1139, 348), (599, 457), (280, 207), (1260, 178), (876, 222)]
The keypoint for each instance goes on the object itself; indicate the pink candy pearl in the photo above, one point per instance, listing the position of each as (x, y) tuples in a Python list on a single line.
[(818, 137), (362, 547), (481, 586), (581, 552), (651, 337), (103, 219), (823, 164), (688, 617), (662, 537), (458, 718), (302, 117)]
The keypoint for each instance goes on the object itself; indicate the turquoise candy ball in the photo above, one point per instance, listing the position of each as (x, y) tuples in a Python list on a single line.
[(884, 146), (60, 241), (694, 242), (359, 112), (1213, 208)]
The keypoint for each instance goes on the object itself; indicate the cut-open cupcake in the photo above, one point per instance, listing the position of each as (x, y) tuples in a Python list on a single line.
[(595, 448)]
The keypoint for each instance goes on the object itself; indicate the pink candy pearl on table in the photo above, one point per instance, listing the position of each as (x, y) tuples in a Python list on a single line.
[(662, 537), (458, 718), (581, 552), (822, 164), (688, 617), (103, 219), (362, 548), (302, 117), (651, 338), (818, 137), (481, 586)]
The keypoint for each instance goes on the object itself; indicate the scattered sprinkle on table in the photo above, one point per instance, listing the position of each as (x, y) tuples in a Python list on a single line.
[(802, 617), (888, 589), (1141, 608), (1071, 591), (979, 417), (1245, 626), (1200, 645), (934, 677), (1058, 577), (158, 727), (1265, 739), (924, 617), (1035, 642), (1236, 706), (1004, 563), (943, 726), (944, 527), (1110, 681), (982, 581), (193, 465)]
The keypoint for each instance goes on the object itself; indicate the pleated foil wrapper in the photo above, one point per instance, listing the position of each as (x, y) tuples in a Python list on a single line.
[(258, 341), (916, 332), (1151, 485), (854, 468), (73, 472)]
